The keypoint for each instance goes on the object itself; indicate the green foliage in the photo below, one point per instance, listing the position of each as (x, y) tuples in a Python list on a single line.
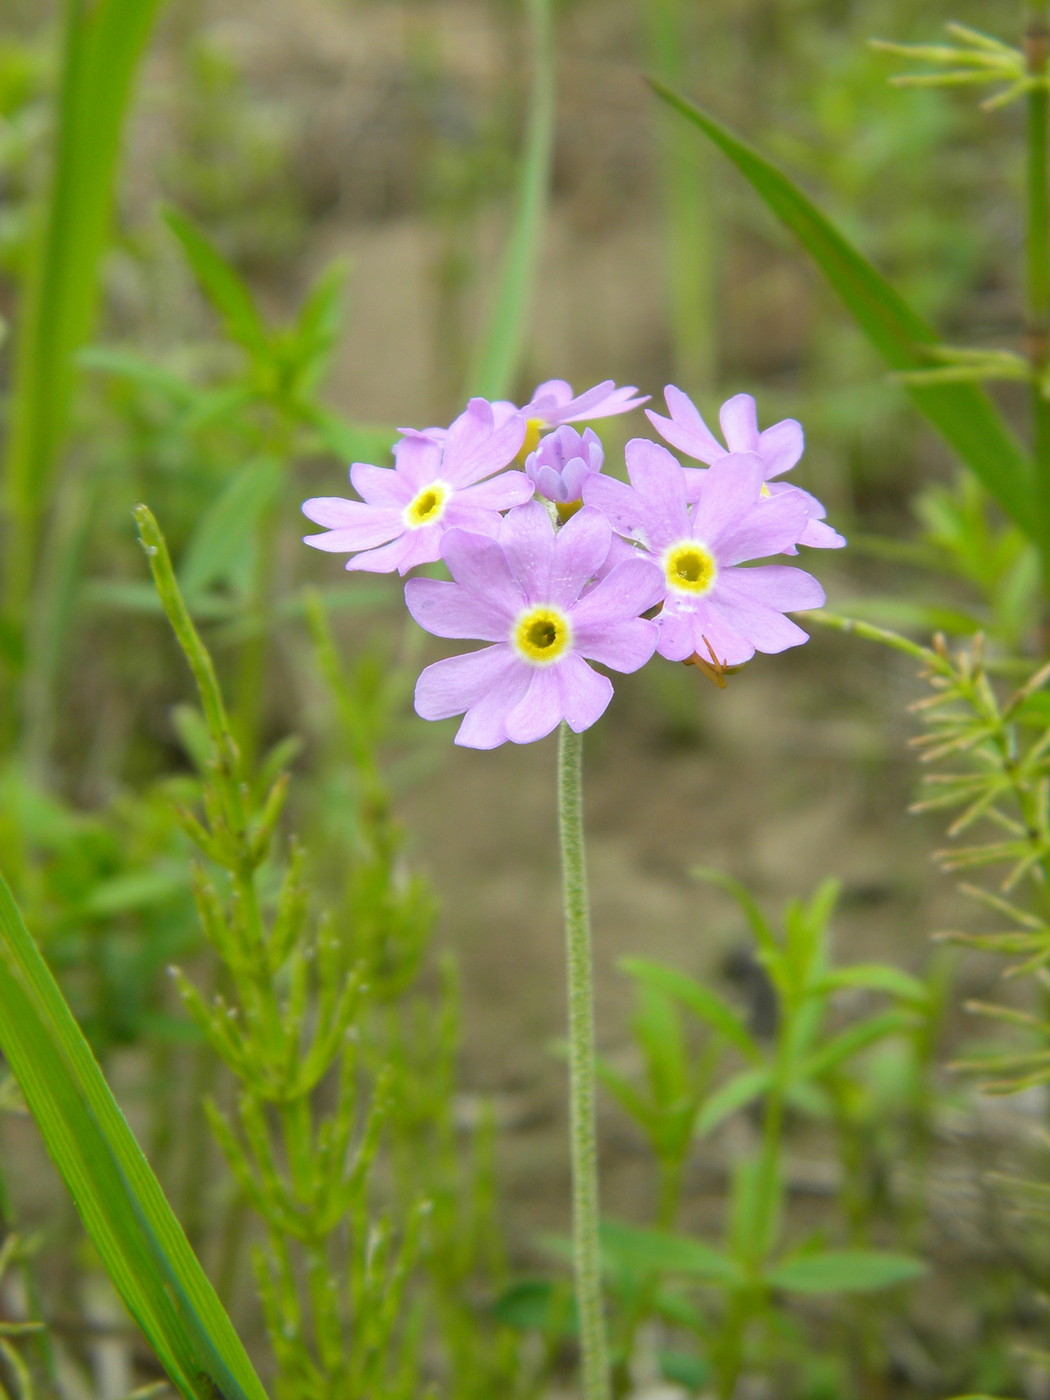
[(103, 43), (501, 344), (959, 411), (694, 1079), (122, 1206)]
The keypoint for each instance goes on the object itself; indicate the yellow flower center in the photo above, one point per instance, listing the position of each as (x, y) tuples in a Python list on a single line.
[(533, 431), (765, 493), (541, 635), (427, 506), (690, 568)]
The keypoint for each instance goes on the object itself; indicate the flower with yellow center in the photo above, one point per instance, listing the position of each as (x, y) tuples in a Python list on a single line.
[(531, 594), (541, 635), (689, 567), (428, 506), (454, 478), (712, 605)]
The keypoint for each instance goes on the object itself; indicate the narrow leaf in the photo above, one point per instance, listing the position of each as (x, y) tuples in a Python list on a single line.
[(961, 413), (659, 1252), (500, 346), (222, 286), (702, 1002), (120, 1201), (844, 1271)]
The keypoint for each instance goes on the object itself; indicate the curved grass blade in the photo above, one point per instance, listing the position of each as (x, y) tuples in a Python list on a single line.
[(103, 43), (961, 413), (500, 348), (120, 1201)]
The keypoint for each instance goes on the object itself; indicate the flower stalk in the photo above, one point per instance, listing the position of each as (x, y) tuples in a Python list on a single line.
[(583, 1134)]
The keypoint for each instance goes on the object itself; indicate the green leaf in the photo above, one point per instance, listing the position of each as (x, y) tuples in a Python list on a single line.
[(961, 413), (876, 977), (844, 1271), (537, 1305), (501, 343), (119, 1199), (103, 42), (734, 1094), (629, 1248), (703, 1003), (223, 288), (136, 369), (225, 531), (683, 1368), (852, 1041)]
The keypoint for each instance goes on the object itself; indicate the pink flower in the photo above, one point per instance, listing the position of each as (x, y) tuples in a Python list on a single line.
[(779, 448), (561, 464), (436, 484), (711, 606), (553, 403), (530, 593)]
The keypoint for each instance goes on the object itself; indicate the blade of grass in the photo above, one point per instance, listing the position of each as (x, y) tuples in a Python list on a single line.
[(689, 229), (961, 413), (103, 41), (502, 343), (120, 1201)]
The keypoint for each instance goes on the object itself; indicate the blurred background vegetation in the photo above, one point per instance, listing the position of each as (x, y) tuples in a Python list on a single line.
[(311, 206)]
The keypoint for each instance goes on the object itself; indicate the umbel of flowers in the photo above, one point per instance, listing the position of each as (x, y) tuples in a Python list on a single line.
[(562, 565)]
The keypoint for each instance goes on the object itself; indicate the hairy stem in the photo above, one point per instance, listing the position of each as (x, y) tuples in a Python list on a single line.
[(593, 1347)]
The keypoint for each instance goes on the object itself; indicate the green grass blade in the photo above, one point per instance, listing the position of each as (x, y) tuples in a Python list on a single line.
[(103, 42), (501, 345), (961, 413), (120, 1201), (223, 287)]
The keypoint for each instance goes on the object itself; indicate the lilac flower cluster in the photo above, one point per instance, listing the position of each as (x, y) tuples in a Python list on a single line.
[(556, 566)]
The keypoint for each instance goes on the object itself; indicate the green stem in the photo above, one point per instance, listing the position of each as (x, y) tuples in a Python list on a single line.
[(1037, 258), (586, 1253)]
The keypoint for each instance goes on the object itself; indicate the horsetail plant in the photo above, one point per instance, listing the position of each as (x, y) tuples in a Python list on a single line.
[(284, 1023)]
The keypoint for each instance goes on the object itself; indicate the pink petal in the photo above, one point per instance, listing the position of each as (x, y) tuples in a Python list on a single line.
[(616, 500), (625, 648), (353, 525), (527, 540), (449, 610), (739, 423), (819, 535), (765, 628), (479, 449), (781, 446), (413, 547), (486, 684), (660, 483), (418, 459), (581, 547), (770, 527), (729, 491), (675, 634), (685, 429), (772, 585), (585, 693), (381, 486), (499, 492), (479, 564), (625, 592)]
